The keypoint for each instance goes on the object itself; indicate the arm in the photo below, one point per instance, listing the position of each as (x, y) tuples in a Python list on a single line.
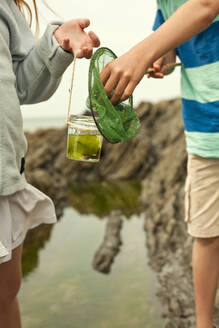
[(123, 75), (39, 74)]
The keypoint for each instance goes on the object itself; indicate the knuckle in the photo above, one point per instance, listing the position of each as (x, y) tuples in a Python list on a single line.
[(127, 76), (109, 65), (116, 94), (114, 69), (117, 71)]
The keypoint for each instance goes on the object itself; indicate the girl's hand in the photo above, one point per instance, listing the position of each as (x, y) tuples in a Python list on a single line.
[(161, 65), (121, 76), (72, 37)]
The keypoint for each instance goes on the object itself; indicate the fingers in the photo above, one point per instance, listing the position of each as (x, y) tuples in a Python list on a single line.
[(129, 90), (105, 74), (84, 52), (66, 44), (159, 69), (163, 69), (111, 84), (119, 91), (123, 88), (78, 53), (72, 37), (87, 52), (156, 75), (158, 64), (120, 86), (117, 82), (84, 22), (94, 38)]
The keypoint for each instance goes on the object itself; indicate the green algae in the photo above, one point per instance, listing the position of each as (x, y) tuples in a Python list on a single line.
[(84, 147)]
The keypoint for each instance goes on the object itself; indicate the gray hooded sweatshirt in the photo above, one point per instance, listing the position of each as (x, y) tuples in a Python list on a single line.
[(30, 72)]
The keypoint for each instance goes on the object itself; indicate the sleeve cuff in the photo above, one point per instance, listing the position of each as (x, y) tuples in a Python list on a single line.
[(51, 53)]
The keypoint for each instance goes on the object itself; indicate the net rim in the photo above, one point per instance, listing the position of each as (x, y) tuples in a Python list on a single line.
[(92, 61)]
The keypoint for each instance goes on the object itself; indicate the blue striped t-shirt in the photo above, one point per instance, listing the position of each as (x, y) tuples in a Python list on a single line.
[(199, 84)]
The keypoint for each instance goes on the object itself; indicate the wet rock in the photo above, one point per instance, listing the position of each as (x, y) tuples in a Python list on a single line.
[(169, 246), (127, 160)]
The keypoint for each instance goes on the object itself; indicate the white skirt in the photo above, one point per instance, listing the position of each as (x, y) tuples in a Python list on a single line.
[(20, 212)]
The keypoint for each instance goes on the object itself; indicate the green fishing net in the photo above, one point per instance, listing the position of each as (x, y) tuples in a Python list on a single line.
[(115, 122)]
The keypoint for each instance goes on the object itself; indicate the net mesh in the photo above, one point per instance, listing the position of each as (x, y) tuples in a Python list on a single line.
[(115, 122)]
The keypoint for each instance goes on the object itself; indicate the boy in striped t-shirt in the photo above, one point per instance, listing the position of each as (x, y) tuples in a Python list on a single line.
[(189, 29)]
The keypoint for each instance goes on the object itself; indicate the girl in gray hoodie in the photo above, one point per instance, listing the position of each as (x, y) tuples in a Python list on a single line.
[(30, 72)]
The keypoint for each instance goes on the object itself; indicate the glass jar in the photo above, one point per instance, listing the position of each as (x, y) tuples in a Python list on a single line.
[(84, 139)]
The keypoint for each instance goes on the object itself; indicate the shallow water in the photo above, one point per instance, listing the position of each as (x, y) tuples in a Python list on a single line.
[(62, 290)]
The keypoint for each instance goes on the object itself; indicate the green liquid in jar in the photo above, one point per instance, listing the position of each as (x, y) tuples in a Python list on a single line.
[(84, 147)]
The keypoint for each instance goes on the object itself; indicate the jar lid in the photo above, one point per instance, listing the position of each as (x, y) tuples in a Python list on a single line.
[(83, 123)]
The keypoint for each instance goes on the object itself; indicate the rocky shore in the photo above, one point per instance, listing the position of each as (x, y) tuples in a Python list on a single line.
[(161, 129), (156, 157)]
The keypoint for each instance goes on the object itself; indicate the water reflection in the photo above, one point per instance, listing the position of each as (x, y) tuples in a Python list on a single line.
[(103, 197), (61, 289), (35, 241), (66, 291), (99, 199), (110, 247)]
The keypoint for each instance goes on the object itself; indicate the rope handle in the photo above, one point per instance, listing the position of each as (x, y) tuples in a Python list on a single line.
[(70, 92)]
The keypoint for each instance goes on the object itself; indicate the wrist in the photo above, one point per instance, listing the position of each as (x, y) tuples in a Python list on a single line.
[(153, 48), (144, 53)]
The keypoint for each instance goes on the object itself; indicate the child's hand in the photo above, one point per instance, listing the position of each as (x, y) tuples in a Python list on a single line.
[(121, 76), (159, 68), (72, 37), (161, 65)]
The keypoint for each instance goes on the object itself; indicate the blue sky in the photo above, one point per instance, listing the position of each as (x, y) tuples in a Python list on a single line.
[(120, 24)]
